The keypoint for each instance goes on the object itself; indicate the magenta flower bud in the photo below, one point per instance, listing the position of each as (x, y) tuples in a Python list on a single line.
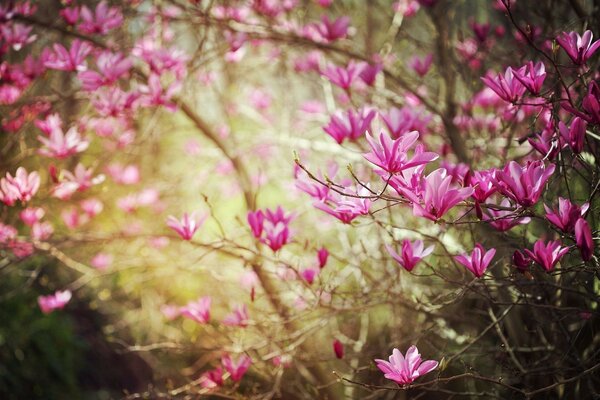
[(521, 261), (584, 240), (338, 349), (322, 256)]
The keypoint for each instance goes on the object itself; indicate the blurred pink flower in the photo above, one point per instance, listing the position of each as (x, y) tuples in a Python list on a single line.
[(23, 186), (198, 310), (188, 225), (54, 301), (102, 261), (238, 368)]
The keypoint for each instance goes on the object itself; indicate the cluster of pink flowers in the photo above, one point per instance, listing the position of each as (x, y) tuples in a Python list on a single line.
[(271, 227)]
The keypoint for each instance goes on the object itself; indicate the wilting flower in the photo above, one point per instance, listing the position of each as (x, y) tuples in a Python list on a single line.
[(23, 186), (187, 226), (404, 370), (54, 301), (578, 48), (583, 238), (198, 310), (547, 254), (532, 76), (412, 253), (349, 125), (239, 317), (574, 136), (69, 60), (506, 86), (438, 196), (338, 349), (523, 184), (478, 261), (238, 368), (392, 154), (566, 215)]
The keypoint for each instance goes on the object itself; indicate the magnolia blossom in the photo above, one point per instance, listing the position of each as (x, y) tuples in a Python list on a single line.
[(239, 317), (578, 48), (566, 215), (523, 184), (574, 135), (412, 253), (322, 256), (503, 219), (346, 208), (547, 254), (187, 226), (403, 120), (54, 301), (404, 370), (309, 274), (344, 77), (392, 154), (102, 261), (506, 85), (330, 31), (349, 125), (31, 215), (584, 240), (69, 60), (237, 368), (198, 310), (478, 261), (421, 65), (100, 21), (23, 186), (532, 76), (58, 144), (212, 379), (270, 227)]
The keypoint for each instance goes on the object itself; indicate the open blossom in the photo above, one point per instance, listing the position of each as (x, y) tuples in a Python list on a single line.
[(478, 261), (532, 76), (270, 227), (574, 135), (212, 379), (584, 240), (412, 253), (81, 179), (70, 15), (31, 215), (523, 184), (344, 76), (506, 85), (349, 125), (421, 65), (566, 215), (54, 301), (309, 274), (111, 67), (239, 317), (69, 60), (438, 195), (482, 184), (346, 208), (16, 35), (405, 369), (61, 145), (23, 186), (100, 21), (547, 254), (502, 219), (403, 120), (187, 226), (330, 30), (7, 233), (392, 154), (578, 48), (198, 310), (237, 368), (545, 142)]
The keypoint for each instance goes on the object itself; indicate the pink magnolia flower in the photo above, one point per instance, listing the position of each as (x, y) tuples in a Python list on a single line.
[(54, 301), (60, 145), (154, 95), (574, 136), (31, 215), (330, 31), (547, 254), (270, 227), (478, 261), (369, 73), (21, 249), (102, 261), (482, 184), (412, 253), (421, 65), (403, 120), (392, 154), (69, 60), (322, 256), (349, 125), (23, 186), (72, 218), (521, 261), (578, 48), (124, 175), (7, 233), (198, 310), (344, 77), (338, 349), (100, 21), (212, 379), (506, 86), (584, 240), (545, 142), (532, 76), (346, 208), (70, 15), (238, 317), (91, 207), (438, 195), (111, 67), (523, 184), (404, 370), (237, 368), (81, 179), (566, 215), (503, 220), (16, 35), (309, 274), (187, 226), (170, 312), (41, 230)]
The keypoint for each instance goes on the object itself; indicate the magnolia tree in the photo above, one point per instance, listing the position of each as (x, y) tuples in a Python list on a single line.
[(310, 199)]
